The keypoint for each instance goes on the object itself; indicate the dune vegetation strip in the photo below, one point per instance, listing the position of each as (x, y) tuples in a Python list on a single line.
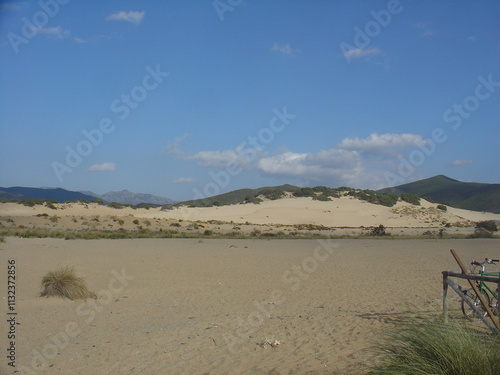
[(305, 231)]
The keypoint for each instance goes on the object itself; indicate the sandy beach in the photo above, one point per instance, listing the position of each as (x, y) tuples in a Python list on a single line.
[(187, 306), (242, 293)]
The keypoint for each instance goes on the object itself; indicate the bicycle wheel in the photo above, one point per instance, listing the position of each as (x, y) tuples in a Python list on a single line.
[(466, 309)]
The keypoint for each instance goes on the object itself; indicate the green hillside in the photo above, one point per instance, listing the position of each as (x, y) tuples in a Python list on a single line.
[(467, 195)]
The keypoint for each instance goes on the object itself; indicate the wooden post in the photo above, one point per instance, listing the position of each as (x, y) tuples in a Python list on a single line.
[(445, 298), (495, 321)]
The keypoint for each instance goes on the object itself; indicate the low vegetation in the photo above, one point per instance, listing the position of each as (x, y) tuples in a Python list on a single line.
[(65, 283), (375, 197), (489, 225), (428, 347), (485, 229), (411, 198), (252, 199), (120, 205), (379, 231), (481, 233)]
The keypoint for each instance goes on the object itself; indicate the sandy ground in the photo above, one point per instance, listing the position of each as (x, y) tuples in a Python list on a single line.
[(189, 306)]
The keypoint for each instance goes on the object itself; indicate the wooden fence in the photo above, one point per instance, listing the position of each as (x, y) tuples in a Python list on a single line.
[(494, 325)]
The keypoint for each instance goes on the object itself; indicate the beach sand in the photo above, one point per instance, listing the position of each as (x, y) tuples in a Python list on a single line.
[(190, 306)]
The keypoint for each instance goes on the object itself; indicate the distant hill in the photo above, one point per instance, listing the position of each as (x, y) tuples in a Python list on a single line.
[(129, 197), (55, 194), (236, 196), (61, 195), (441, 189)]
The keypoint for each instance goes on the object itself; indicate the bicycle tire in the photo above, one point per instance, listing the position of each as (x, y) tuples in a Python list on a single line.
[(467, 311)]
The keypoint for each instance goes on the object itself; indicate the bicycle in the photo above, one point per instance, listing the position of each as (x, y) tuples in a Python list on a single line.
[(489, 295)]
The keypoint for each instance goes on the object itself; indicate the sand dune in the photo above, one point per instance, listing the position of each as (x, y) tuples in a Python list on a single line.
[(340, 212)]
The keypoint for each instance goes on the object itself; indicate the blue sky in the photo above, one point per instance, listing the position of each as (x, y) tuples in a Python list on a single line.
[(189, 98)]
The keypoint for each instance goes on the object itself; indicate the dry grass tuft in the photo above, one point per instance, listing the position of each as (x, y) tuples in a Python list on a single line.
[(431, 347), (65, 283)]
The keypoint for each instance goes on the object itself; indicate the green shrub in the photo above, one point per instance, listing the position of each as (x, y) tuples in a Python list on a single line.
[(442, 207), (136, 222), (411, 198), (32, 202), (272, 194), (2, 239), (98, 201), (208, 232), (489, 225), (426, 347), (120, 205), (481, 233), (252, 199), (51, 205), (379, 231), (321, 197)]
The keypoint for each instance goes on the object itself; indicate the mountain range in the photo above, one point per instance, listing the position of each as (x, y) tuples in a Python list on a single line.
[(129, 197), (440, 189), (61, 195)]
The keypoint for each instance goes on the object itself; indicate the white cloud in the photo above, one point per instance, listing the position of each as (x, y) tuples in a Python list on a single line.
[(383, 143), (183, 180), (332, 165), (56, 32), (356, 53), (461, 162), (104, 167), (356, 162), (130, 16), (220, 159), (472, 38), (284, 48)]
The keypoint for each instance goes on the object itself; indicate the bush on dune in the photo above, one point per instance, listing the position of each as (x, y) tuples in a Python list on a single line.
[(429, 347), (65, 283), (489, 225)]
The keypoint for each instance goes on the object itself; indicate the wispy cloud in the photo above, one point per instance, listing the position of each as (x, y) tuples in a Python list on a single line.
[(425, 29), (104, 167), (80, 40), (175, 146), (356, 53), (458, 163), (183, 180), (285, 49), (56, 32), (134, 17), (472, 38)]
